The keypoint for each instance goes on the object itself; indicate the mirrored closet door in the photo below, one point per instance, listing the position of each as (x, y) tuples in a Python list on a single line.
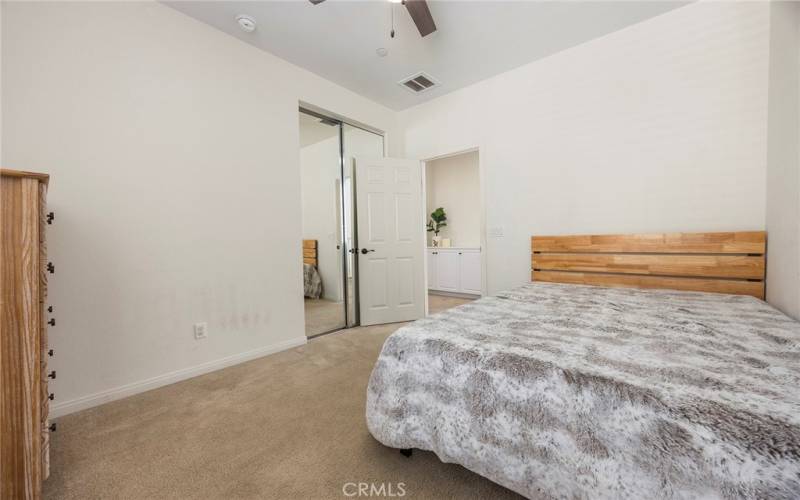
[(323, 256), (327, 147)]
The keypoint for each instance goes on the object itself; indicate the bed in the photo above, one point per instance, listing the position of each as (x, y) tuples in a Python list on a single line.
[(634, 366), (312, 281)]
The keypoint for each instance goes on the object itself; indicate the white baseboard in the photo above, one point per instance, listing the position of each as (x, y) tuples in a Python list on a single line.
[(123, 391)]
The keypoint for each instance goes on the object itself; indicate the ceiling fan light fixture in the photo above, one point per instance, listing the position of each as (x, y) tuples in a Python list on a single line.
[(247, 23)]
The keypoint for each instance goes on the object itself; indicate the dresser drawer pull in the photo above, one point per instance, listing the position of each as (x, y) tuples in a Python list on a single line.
[(50, 217), (52, 375), (52, 427), (50, 352), (52, 322), (51, 268), (51, 397)]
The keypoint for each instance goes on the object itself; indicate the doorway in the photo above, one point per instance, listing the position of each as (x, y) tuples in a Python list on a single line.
[(454, 252), (330, 267)]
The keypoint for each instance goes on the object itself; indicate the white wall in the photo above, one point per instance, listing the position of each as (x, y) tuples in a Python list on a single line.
[(321, 193), (173, 150), (658, 127), (783, 160), (454, 184)]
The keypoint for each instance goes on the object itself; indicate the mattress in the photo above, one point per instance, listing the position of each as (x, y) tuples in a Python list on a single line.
[(569, 391)]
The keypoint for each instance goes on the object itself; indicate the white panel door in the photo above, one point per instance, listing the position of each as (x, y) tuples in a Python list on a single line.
[(447, 271), (470, 263), (390, 240), (432, 282)]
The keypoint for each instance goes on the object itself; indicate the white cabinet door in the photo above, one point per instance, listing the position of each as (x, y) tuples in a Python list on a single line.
[(470, 271), (390, 231), (433, 283), (447, 270)]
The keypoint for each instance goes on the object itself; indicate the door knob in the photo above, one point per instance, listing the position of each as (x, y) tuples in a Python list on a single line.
[(365, 251)]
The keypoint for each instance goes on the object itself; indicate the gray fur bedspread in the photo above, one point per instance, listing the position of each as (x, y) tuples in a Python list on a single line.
[(312, 282), (567, 391)]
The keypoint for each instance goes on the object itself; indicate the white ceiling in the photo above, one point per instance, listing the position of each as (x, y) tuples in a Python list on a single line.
[(475, 39)]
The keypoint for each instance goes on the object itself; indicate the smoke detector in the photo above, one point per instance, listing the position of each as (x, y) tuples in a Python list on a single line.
[(247, 23)]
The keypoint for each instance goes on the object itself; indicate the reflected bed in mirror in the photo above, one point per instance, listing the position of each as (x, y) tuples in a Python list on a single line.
[(322, 315)]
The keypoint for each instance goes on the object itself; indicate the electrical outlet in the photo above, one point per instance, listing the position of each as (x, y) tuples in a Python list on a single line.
[(200, 330)]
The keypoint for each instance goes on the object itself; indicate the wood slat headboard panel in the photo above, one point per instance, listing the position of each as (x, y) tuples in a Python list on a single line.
[(310, 252), (731, 262)]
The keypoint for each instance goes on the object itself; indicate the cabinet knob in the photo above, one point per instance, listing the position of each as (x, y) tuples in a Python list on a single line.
[(50, 352), (52, 427), (52, 322), (50, 309), (51, 397), (52, 375), (50, 217), (51, 268)]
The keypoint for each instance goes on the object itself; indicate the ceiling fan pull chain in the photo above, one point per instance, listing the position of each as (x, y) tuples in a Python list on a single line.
[(391, 9)]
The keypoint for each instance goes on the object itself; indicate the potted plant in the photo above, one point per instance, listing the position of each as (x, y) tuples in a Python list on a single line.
[(437, 221)]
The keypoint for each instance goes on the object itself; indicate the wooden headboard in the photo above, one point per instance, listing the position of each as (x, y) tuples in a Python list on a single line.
[(310, 252), (732, 263)]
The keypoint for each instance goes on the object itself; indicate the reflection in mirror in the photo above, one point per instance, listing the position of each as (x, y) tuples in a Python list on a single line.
[(323, 253)]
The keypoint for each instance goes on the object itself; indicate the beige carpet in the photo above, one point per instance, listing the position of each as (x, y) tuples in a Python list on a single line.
[(290, 425), (323, 316)]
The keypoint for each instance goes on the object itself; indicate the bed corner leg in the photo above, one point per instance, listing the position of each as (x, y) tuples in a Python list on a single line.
[(406, 452)]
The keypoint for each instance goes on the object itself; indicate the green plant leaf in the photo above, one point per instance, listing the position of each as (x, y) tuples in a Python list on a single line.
[(439, 215)]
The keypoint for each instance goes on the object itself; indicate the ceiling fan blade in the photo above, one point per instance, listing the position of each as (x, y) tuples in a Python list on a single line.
[(421, 15), (315, 2)]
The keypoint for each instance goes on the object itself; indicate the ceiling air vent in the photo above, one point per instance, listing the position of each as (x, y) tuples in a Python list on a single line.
[(419, 83)]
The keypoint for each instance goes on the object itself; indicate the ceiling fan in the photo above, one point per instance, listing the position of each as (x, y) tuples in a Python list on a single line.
[(419, 11)]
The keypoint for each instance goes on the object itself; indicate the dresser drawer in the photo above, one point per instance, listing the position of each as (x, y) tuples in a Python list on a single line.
[(24, 392)]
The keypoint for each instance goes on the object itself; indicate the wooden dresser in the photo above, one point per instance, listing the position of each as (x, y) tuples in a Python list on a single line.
[(24, 395)]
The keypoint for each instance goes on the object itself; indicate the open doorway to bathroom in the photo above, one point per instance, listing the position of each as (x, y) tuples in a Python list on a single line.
[(455, 225), (327, 146)]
